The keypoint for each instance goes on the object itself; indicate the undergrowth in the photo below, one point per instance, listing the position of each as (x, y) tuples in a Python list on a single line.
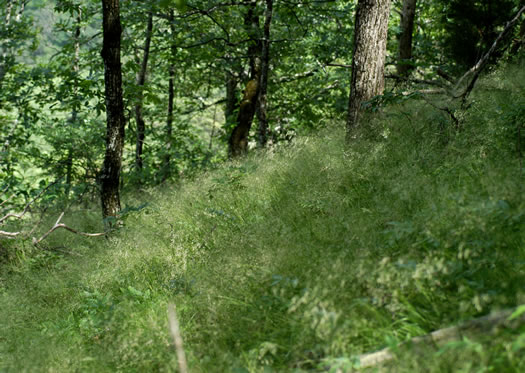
[(296, 259)]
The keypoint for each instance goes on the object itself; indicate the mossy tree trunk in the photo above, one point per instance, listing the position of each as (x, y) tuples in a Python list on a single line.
[(262, 113), (408, 14), (368, 61), (115, 121), (238, 141)]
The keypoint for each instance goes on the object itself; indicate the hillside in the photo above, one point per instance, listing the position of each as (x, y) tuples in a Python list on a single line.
[(298, 258)]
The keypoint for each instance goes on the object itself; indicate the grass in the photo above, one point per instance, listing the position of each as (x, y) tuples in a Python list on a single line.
[(298, 258)]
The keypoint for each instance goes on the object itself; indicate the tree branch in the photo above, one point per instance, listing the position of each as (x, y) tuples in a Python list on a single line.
[(26, 208), (487, 323), (62, 225), (480, 65), (420, 81), (339, 65)]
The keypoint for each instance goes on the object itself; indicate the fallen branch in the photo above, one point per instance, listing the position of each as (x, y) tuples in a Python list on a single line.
[(9, 234), (177, 338), (485, 324), (62, 225), (447, 110), (480, 65)]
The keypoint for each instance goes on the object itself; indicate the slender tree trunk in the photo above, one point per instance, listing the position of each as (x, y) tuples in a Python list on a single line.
[(8, 11), (171, 99), (3, 49), (238, 142), (262, 113), (405, 39), (141, 80), (519, 43), (110, 173), (231, 97), (368, 61), (74, 113), (21, 10)]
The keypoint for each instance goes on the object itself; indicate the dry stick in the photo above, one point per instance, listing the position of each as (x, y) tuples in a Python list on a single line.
[(26, 208), (9, 234), (7, 199), (447, 110), (177, 338), (61, 225), (483, 324), (478, 67)]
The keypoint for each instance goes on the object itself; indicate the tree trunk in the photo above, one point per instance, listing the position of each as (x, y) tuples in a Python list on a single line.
[(262, 113), (238, 142), (110, 173), (166, 169), (74, 113), (231, 98), (141, 80), (519, 43), (368, 61), (3, 49), (405, 39)]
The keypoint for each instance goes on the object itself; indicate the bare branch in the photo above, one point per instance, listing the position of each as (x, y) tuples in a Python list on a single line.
[(420, 81), (7, 199), (204, 106), (62, 225), (486, 324), (177, 338), (339, 65), (9, 234), (478, 67), (292, 78), (26, 208)]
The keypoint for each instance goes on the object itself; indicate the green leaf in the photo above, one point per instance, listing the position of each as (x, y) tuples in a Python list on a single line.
[(517, 313)]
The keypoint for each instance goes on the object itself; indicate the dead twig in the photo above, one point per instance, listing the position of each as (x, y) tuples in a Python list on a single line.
[(62, 225), (9, 234), (28, 205), (7, 199), (485, 324), (177, 338), (480, 65), (447, 110)]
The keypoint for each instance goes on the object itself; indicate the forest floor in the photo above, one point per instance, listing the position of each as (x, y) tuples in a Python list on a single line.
[(299, 258)]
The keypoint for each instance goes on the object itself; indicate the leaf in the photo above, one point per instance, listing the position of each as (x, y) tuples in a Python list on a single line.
[(517, 313)]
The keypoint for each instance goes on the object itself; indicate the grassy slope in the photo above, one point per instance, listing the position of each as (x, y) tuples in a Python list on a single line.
[(296, 259)]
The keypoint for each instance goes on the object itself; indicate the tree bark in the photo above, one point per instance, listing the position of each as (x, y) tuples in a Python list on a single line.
[(74, 112), (4, 50), (238, 142), (141, 80), (368, 61), (231, 98), (166, 169), (115, 121), (262, 116), (405, 39), (519, 43)]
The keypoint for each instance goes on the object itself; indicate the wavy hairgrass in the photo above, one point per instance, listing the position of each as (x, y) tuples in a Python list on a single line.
[(298, 258)]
